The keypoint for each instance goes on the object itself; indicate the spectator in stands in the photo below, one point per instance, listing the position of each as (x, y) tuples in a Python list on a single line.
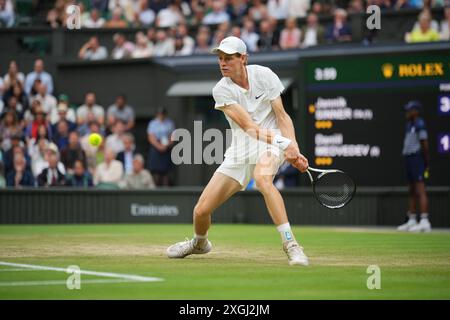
[(90, 106), (52, 176), (48, 101), (357, 6), (219, 35), (61, 136), (236, 32), (184, 7), (202, 43), (424, 33), (218, 14), (139, 177), (13, 75), (17, 146), (95, 20), (298, 8), (159, 132), (268, 37), (313, 33), (16, 90), (400, 4), (339, 31), (100, 5), (249, 36), (63, 113), (278, 9), (445, 25), (123, 48), (179, 47), (80, 177), (122, 111), (188, 41), (37, 152), (29, 115), (6, 15), (433, 25), (145, 15), (290, 35), (258, 11), (39, 73), (116, 20), (126, 155), (9, 126), (14, 105), (92, 50), (114, 140), (165, 46), (199, 8), (21, 175), (169, 17), (73, 152), (108, 174), (143, 47), (56, 17), (237, 9), (33, 127)]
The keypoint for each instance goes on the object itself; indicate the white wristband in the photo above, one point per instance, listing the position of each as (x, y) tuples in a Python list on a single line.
[(281, 142)]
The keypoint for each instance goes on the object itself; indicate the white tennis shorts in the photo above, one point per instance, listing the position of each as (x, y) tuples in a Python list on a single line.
[(241, 169)]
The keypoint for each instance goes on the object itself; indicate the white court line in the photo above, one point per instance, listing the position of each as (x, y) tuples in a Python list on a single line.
[(57, 282), (14, 269), (128, 277)]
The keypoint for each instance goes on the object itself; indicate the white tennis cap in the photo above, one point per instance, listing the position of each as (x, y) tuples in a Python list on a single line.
[(231, 45)]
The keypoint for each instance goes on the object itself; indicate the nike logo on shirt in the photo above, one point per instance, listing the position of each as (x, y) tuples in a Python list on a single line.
[(257, 97)]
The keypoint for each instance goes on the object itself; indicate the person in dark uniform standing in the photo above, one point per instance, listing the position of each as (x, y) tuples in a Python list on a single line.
[(415, 152), (159, 132)]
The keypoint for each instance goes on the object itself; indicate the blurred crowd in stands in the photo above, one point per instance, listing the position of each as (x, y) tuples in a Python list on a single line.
[(185, 27), (44, 140)]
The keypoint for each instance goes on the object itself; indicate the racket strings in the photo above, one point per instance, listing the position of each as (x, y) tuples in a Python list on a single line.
[(334, 189)]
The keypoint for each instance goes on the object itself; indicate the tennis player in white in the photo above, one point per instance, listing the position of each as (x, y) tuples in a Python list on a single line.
[(263, 138)]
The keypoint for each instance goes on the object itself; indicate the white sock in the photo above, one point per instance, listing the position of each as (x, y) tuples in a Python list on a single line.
[(200, 240), (424, 216), (285, 232), (411, 216)]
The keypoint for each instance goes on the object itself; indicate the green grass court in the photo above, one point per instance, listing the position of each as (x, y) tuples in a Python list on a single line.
[(247, 262)]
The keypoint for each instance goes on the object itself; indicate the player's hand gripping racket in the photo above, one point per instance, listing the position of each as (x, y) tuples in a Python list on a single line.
[(332, 188)]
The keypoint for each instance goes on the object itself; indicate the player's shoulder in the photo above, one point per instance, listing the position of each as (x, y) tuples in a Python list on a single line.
[(221, 86), (258, 69)]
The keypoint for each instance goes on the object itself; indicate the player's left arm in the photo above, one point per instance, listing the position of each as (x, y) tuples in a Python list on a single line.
[(286, 126), (284, 120)]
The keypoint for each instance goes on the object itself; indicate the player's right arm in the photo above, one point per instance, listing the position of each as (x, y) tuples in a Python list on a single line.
[(241, 117)]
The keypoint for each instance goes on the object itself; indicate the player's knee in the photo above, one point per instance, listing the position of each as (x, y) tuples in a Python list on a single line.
[(200, 210), (264, 183)]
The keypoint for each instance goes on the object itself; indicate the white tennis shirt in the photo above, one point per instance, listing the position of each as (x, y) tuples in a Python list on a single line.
[(265, 86)]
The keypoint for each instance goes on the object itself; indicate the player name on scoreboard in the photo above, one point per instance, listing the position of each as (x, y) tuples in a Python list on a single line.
[(331, 144)]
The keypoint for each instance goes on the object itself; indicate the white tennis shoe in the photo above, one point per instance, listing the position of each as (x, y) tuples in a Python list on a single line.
[(408, 225), (187, 247), (295, 253), (423, 226)]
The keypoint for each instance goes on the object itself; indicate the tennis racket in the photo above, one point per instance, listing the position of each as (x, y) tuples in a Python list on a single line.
[(333, 189)]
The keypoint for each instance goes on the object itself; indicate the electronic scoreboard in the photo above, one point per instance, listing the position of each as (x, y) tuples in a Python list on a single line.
[(355, 118)]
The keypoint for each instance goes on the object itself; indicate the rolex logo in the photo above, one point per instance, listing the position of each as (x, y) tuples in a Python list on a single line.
[(388, 70)]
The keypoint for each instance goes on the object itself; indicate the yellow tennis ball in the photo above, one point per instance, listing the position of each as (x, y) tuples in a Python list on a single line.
[(95, 139)]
